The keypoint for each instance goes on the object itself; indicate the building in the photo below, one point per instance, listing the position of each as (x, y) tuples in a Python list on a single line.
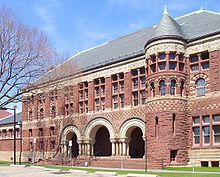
[(156, 90), (7, 136)]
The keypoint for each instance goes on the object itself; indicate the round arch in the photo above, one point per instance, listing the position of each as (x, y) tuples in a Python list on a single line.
[(70, 129), (129, 124), (94, 125)]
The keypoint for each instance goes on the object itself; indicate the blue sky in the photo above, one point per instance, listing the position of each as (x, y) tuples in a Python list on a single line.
[(76, 25)]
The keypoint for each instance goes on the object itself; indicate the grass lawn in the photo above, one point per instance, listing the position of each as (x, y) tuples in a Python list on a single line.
[(202, 169), (124, 172)]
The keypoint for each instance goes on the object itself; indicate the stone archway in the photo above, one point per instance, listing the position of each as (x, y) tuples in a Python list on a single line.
[(132, 137), (71, 133), (98, 134)]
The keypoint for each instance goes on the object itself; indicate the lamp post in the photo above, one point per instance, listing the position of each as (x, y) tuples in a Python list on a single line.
[(14, 125)]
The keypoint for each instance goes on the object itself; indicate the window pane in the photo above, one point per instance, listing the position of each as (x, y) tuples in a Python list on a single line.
[(206, 119), (181, 66), (135, 83), (217, 138), (216, 118), (205, 65), (172, 56), (193, 59), (162, 66), (196, 131), (194, 67), (162, 56), (196, 120), (172, 66)]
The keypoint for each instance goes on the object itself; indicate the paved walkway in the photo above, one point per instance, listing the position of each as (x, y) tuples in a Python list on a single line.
[(6, 171)]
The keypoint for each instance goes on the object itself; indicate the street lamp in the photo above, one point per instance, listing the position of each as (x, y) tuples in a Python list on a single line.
[(14, 123)]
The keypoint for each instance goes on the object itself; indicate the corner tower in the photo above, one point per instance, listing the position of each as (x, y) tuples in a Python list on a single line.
[(166, 105)]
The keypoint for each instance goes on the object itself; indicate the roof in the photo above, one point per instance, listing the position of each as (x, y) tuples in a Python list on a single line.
[(190, 26), (4, 113), (10, 119)]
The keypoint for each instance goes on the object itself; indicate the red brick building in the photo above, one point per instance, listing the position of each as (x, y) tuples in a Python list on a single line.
[(154, 92)]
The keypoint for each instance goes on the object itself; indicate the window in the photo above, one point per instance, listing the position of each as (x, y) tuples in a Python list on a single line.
[(196, 132), (172, 56), (181, 66), (152, 89), (122, 100), (206, 135), (181, 58), (143, 97), (204, 55), (83, 94), (41, 113), (162, 66), (135, 98), (30, 115), (115, 88), (153, 68), (52, 145), (182, 88), (30, 133), (162, 88), (162, 56), (142, 82), (194, 59), (172, 87), (216, 118), (174, 123), (205, 65), (200, 86), (99, 87), (172, 66), (118, 90), (115, 102), (41, 132), (194, 67), (135, 84), (206, 119), (196, 120), (52, 131), (173, 155), (53, 111), (156, 127), (216, 130)]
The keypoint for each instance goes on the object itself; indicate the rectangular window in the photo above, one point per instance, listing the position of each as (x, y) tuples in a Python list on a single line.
[(122, 87), (181, 66), (196, 120), (143, 97), (172, 56), (135, 84), (206, 135), (216, 118), (30, 133), (174, 123), (196, 132), (122, 100), (206, 119), (173, 155), (194, 67), (115, 88), (162, 66), (97, 92), (115, 102), (97, 105), (162, 56), (52, 131), (205, 55), (216, 130), (41, 132), (172, 66), (142, 82), (194, 59), (205, 65), (153, 68), (135, 98)]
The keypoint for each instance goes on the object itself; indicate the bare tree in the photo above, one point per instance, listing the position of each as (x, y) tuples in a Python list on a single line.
[(25, 55)]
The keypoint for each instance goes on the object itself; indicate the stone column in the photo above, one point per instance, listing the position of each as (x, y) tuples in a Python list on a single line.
[(88, 149), (113, 141), (167, 60), (116, 148), (124, 148), (120, 149), (80, 147)]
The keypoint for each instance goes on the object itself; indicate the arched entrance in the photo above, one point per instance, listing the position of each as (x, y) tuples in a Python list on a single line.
[(72, 133), (136, 144), (132, 137), (74, 149), (102, 146)]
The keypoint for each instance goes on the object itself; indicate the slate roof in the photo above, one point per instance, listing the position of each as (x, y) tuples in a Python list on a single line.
[(10, 119), (191, 26)]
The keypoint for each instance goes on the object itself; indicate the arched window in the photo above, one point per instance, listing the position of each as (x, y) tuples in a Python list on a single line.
[(172, 87), (152, 89), (182, 88), (162, 88), (200, 86)]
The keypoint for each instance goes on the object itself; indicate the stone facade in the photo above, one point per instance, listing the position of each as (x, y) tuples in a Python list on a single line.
[(159, 108)]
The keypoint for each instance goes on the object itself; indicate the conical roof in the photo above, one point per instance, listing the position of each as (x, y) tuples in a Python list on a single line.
[(167, 27)]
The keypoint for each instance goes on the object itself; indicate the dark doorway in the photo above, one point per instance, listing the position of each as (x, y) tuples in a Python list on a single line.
[(136, 145), (75, 146), (102, 146)]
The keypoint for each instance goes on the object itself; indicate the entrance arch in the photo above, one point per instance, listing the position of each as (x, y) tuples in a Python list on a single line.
[(132, 132), (98, 134), (71, 133)]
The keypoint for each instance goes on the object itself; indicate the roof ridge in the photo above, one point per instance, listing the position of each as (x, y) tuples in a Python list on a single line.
[(197, 12)]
